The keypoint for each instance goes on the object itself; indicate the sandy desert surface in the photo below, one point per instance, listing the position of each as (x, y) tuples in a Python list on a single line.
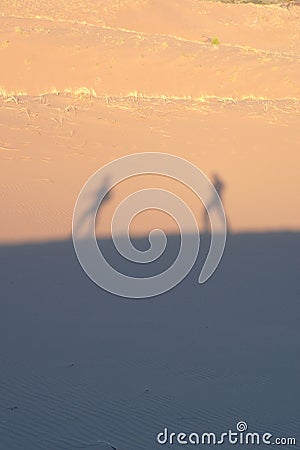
[(81, 84), (86, 82), (79, 365)]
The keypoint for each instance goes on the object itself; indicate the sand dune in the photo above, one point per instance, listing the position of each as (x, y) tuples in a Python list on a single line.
[(46, 139), (93, 81), (81, 84), (48, 54), (80, 365)]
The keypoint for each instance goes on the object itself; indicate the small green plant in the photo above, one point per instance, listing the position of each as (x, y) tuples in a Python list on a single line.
[(212, 40), (215, 41)]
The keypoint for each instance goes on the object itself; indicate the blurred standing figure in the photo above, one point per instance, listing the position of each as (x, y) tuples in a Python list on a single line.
[(213, 204), (86, 220)]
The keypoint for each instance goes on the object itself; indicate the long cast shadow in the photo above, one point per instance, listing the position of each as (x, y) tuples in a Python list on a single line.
[(71, 352)]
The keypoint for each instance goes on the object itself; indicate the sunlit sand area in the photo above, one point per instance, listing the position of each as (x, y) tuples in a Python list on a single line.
[(83, 83)]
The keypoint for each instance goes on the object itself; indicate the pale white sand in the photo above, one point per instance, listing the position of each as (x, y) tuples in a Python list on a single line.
[(82, 365)]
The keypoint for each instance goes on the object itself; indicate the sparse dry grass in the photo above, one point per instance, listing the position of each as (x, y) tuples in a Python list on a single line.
[(87, 93)]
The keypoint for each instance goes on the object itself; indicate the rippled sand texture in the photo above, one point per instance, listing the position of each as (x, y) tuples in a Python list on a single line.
[(79, 365)]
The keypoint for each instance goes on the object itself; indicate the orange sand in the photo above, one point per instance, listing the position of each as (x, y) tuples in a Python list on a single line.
[(153, 81)]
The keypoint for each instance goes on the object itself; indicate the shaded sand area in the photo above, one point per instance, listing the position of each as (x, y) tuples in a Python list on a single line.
[(79, 365), (81, 84)]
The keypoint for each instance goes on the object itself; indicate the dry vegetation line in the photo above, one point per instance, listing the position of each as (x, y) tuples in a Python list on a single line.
[(136, 100), (135, 96), (143, 34)]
